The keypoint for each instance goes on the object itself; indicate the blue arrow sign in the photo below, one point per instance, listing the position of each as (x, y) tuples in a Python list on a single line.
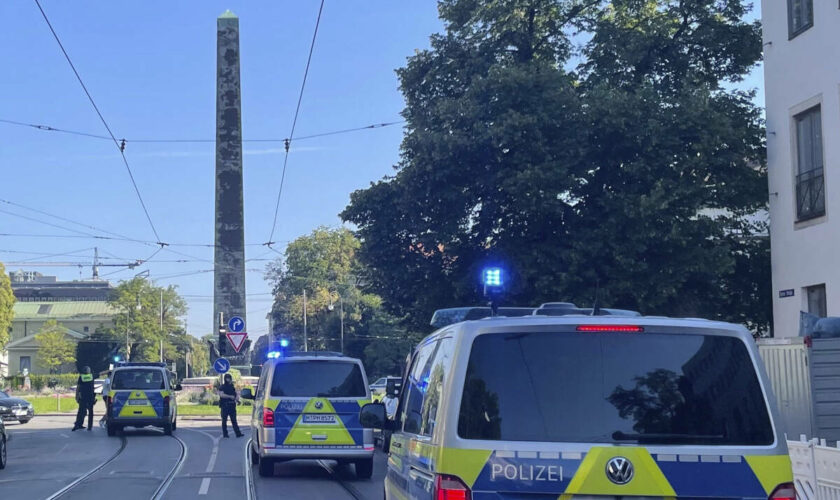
[(221, 366), (236, 324)]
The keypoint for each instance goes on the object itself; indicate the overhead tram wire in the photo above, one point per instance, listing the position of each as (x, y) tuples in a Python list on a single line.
[(120, 147), (288, 142), (71, 221), (49, 128)]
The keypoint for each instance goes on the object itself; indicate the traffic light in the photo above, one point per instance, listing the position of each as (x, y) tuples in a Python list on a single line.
[(222, 335)]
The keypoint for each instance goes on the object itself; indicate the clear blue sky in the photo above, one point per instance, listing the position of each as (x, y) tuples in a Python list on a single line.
[(150, 66)]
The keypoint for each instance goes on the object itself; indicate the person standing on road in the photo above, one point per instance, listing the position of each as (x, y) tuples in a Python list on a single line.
[(86, 398), (228, 398), (106, 390)]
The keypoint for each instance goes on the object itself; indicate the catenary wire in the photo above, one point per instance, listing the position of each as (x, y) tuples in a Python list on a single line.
[(104, 122), (294, 124)]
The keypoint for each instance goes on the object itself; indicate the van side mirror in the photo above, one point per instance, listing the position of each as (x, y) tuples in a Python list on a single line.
[(372, 416), (246, 393)]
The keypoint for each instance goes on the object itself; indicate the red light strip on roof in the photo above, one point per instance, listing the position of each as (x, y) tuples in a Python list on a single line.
[(610, 328)]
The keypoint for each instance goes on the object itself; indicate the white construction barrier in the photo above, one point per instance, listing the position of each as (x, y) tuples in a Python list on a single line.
[(816, 469)]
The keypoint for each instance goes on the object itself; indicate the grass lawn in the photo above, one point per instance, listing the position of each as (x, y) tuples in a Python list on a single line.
[(49, 404), (210, 410)]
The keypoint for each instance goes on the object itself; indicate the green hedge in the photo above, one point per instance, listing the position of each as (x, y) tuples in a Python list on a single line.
[(38, 382)]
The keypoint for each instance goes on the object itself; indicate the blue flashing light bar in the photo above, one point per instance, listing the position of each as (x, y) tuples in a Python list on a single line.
[(273, 354), (492, 277), (284, 342)]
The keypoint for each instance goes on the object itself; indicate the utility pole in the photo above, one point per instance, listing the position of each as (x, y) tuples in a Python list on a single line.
[(305, 338), (341, 314), (161, 325)]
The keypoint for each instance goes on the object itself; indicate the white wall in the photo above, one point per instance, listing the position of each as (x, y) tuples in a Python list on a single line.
[(799, 73)]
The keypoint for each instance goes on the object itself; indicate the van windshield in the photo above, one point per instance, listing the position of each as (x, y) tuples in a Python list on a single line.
[(613, 388), (138, 379), (316, 378)]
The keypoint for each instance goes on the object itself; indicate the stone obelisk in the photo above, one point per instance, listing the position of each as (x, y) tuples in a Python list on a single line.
[(229, 257)]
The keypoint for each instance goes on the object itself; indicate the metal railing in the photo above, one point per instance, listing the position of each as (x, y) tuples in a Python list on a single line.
[(810, 194), (816, 469)]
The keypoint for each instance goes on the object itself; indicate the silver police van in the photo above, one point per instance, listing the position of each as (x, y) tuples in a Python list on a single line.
[(578, 406)]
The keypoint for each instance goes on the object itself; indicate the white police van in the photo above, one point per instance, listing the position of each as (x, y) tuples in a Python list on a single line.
[(575, 406), (307, 406)]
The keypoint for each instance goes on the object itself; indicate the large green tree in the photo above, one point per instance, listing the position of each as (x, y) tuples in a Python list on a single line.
[(147, 314), (7, 302), (324, 265), (55, 350), (625, 163)]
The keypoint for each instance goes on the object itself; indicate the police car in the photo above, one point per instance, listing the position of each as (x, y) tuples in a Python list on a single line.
[(141, 395), (575, 406), (307, 406)]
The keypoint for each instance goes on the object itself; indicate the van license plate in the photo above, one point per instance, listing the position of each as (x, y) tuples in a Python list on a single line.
[(138, 402), (318, 418)]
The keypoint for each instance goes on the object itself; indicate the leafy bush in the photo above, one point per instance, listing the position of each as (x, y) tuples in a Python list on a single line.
[(39, 382)]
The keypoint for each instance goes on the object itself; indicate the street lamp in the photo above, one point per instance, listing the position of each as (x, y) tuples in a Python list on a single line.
[(341, 316)]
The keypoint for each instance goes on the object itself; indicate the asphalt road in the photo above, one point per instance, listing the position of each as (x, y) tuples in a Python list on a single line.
[(48, 461)]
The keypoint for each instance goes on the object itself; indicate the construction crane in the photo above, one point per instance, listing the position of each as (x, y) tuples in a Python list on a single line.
[(96, 264)]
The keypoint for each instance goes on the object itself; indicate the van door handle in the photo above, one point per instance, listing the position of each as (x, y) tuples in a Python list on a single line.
[(415, 473), (396, 444)]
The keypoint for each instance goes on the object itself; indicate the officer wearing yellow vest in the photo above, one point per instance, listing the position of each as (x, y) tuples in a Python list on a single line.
[(86, 398)]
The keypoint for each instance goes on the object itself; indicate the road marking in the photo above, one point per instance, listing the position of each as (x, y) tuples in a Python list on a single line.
[(205, 483), (64, 436)]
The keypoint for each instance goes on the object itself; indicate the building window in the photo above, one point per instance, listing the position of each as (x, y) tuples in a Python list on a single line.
[(800, 16), (816, 300), (86, 329), (25, 364), (810, 179)]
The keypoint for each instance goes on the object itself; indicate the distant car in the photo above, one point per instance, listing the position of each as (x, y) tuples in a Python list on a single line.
[(3, 439), (15, 409)]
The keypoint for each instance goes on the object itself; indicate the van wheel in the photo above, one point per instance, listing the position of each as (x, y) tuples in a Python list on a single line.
[(255, 457), (167, 428), (364, 468), (2, 453), (112, 429), (175, 424), (266, 467)]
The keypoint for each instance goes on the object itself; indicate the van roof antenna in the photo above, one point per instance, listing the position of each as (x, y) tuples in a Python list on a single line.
[(596, 307)]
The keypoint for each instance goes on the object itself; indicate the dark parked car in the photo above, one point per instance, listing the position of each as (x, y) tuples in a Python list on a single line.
[(15, 409), (3, 439)]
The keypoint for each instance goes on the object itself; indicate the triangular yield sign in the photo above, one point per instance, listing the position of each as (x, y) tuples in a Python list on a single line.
[(237, 340)]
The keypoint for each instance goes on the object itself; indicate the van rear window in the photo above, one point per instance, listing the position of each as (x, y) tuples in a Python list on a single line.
[(317, 378), (613, 388), (139, 379)]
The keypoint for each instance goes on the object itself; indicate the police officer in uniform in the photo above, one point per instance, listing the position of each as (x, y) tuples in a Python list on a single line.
[(86, 398), (227, 402)]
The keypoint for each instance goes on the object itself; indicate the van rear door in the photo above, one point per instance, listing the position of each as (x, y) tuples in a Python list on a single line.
[(318, 403)]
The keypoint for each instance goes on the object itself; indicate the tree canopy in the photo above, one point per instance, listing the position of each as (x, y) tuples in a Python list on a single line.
[(324, 264), (7, 303), (584, 145), (55, 350)]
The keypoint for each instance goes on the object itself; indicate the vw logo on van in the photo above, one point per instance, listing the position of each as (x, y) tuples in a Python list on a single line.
[(619, 470), (319, 405)]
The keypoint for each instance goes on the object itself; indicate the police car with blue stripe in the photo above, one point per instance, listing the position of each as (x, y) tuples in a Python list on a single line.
[(564, 405), (142, 395), (307, 406)]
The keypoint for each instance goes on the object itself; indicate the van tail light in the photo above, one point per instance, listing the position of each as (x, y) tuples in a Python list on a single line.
[(785, 491), (451, 488), (268, 417), (611, 328), (166, 405)]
